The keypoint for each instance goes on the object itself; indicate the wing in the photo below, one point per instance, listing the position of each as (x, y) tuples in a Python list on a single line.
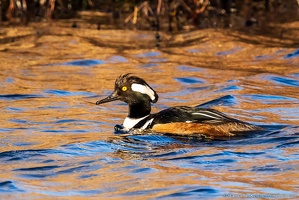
[(191, 114)]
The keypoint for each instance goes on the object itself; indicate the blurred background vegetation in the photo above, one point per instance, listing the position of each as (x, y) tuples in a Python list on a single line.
[(168, 15)]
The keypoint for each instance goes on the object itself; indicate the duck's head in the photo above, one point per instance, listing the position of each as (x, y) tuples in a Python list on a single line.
[(132, 90)]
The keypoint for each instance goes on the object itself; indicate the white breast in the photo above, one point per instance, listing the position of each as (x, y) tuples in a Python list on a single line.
[(131, 122)]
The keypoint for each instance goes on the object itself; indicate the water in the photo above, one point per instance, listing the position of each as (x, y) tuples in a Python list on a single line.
[(56, 143)]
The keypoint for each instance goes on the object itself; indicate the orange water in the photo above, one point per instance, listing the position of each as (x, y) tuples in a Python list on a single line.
[(56, 143)]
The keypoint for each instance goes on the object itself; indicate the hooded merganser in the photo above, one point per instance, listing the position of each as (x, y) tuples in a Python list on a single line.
[(181, 120)]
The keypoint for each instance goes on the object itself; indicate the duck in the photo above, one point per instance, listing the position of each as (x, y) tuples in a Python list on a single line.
[(177, 120)]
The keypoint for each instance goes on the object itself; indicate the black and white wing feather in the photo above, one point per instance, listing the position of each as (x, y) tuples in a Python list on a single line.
[(191, 115)]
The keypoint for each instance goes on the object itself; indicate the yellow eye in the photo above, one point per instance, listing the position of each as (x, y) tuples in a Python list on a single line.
[(124, 88)]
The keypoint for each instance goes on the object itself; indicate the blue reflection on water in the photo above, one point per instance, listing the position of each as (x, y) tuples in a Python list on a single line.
[(117, 59), (19, 96), (190, 68), (228, 52), (9, 80), (227, 100), (270, 56), (189, 80), (285, 81), (148, 65), (292, 55), (9, 187), (193, 50), (268, 99), (68, 93), (83, 63), (229, 88), (158, 60), (148, 54)]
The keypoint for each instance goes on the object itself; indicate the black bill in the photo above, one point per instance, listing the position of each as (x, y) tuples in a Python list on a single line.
[(112, 97)]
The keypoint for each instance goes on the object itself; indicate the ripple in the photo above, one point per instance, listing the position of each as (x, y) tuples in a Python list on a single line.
[(158, 60), (296, 75), (143, 192), (9, 186), (65, 121), (69, 193), (269, 99), (148, 54), (200, 158), (289, 144), (229, 88), (190, 68), (89, 148), (82, 63), (193, 50), (68, 93), (249, 154), (14, 109), (19, 121), (228, 52), (292, 55), (280, 139), (189, 80), (64, 131), (42, 168), (270, 56), (9, 80), (22, 154), (285, 81), (143, 36), (183, 92), (19, 96), (118, 59), (227, 100), (3, 130), (143, 144), (270, 168), (200, 192), (263, 57), (148, 65), (143, 170), (285, 114), (74, 169)]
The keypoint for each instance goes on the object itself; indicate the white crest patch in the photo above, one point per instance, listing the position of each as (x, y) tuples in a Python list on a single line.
[(144, 90), (131, 122)]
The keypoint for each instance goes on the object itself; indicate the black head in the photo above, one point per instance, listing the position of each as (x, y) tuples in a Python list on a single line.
[(132, 90)]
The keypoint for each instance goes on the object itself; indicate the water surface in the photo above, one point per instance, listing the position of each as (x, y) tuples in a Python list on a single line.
[(56, 143)]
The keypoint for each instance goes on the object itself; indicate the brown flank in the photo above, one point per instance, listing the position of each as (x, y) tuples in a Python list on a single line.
[(210, 130)]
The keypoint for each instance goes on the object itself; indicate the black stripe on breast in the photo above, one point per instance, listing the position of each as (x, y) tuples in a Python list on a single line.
[(143, 122)]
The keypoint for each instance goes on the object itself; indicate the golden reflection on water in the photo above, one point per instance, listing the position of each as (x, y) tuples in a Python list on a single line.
[(35, 63)]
